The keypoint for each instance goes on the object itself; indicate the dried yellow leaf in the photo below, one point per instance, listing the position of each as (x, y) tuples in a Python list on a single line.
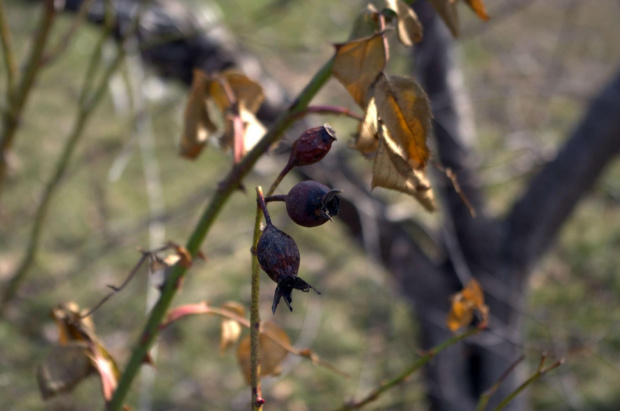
[(63, 368), (409, 27), (245, 91), (448, 13), (464, 304), (405, 110), (197, 125), (478, 7), (274, 345), (357, 65), (461, 314), (392, 172)]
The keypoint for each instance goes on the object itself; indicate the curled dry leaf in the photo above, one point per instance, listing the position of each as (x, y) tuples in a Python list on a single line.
[(478, 7), (231, 329), (393, 172), (272, 343), (409, 27), (197, 125), (464, 304), (405, 110), (64, 367), (357, 65), (245, 91), (448, 13)]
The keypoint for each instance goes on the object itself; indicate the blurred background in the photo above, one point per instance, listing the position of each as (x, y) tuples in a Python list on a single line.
[(526, 78)]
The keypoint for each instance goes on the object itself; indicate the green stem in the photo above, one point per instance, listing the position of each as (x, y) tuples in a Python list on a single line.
[(419, 363), (230, 184), (254, 312), (18, 99)]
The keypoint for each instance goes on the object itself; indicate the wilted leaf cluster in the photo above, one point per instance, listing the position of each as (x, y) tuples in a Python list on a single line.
[(79, 353), (236, 99)]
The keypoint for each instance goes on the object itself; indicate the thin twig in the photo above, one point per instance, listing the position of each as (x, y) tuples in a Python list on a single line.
[(115, 289), (65, 39), (10, 119), (539, 373), (449, 173), (88, 102), (419, 363), (230, 185), (486, 396), (257, 398)]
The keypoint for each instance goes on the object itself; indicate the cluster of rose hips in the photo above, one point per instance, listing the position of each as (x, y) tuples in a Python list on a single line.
[(308, 204)]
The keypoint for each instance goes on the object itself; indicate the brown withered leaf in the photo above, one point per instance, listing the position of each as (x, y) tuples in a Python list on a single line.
[(272, 348), (405, 110), (357, 65), (245, 91), (231, 330), (392, 172), (367, 136), (73, 329), (478, 7), (197, 125), (409, 28), (465, 304), (63, 368), (272, 351), (448, 13)]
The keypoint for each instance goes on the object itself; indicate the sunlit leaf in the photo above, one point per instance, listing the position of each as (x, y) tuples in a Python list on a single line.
[(392, 172), (241, 89), (272, 343), (409, 27), (448, 12), (367, 137), (107, 369), (465, 304), (405, 110), (478, 7), (197, 125), (357, 65), (231, 330), (63, 368), (251, 131), (76, 331)]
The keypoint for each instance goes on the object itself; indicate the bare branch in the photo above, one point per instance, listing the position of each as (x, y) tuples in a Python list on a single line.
[(536, 218)]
